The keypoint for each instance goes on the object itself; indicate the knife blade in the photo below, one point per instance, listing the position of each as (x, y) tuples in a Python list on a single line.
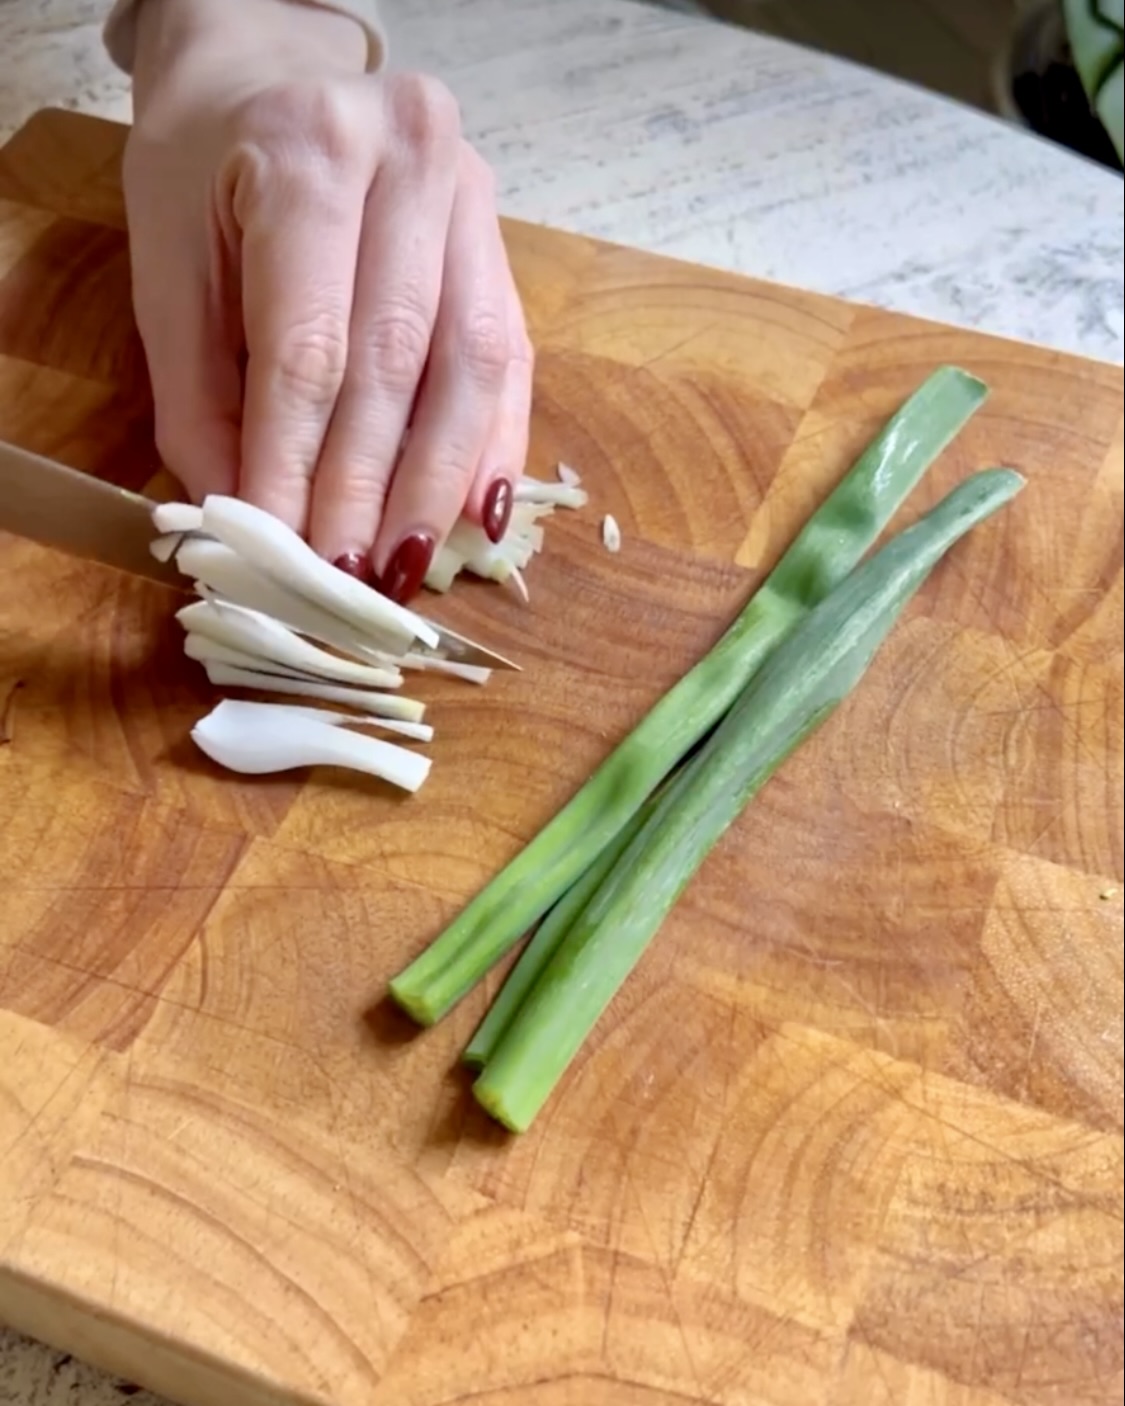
[(72, 512), (55, 506)]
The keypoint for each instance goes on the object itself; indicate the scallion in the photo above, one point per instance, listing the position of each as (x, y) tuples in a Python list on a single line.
[(809, 674), (830, 544)]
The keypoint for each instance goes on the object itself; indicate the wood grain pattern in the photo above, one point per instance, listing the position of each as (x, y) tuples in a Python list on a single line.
[(852, 1133)]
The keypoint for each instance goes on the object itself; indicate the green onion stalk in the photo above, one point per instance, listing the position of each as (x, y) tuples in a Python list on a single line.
[(830, 544), (811, 672)]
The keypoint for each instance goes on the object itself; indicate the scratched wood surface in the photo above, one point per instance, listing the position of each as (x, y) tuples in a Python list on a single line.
[(851, 1135)]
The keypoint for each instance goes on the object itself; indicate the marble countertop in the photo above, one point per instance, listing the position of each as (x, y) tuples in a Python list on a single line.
[(680, 135), (660, 129)]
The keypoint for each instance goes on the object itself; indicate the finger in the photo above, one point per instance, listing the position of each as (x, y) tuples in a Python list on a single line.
[(492, 495), (397, 292), (458, 399), (300, 226), (194, 374)]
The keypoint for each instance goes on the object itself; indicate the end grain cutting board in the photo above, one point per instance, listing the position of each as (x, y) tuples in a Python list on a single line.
[(851, 1135)]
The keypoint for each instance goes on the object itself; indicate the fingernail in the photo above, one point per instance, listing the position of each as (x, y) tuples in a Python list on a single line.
[(353, 564), (497, 510), (407, 567)]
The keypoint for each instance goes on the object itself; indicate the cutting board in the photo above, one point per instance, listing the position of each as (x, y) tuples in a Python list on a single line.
[(852, 1133)]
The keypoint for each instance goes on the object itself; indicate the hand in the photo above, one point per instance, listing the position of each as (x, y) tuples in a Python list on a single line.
[(317, 268)]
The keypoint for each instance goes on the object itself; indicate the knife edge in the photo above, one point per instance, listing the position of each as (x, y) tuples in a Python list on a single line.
[(84, 517)]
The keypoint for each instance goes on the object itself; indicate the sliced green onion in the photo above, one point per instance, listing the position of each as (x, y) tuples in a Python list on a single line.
[(824, 552), (797, 689)]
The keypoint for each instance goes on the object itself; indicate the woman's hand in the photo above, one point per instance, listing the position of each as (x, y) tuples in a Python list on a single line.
[(317, 266)]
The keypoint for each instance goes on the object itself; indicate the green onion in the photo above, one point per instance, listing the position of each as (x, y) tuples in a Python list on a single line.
[(551, 932), (834, 538), (542, 947), (799, 686)]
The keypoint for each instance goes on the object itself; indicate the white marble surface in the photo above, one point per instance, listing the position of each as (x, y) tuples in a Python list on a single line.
[(675, 134)]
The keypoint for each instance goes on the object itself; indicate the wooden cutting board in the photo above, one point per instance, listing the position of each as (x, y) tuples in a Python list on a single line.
[(852, 1133)]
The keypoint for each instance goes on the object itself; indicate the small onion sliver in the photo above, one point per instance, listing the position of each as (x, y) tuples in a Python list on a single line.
[(258, 635), (223, 573), (611, 533), (177, 517), (560, 495), (387, 705), (470, 673), (205, 650)]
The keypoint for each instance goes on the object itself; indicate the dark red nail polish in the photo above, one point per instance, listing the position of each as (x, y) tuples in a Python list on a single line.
[(355, 564), (407, 567), (497, 509)]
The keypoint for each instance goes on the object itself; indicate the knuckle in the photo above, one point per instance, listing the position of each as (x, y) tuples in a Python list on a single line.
[(476, 171), (309, 116), (291, 134), (360, 494), (425, 112), (397, 343), (311, 360), (449, 474), (484, 346)]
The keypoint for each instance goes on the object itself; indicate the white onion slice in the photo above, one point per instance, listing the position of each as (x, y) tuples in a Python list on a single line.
[(611, 533), (471, 673), (280, 553), (264, 743), (559, 495), (177, 517), (417, 732), (205, 650), (520, 584), (257, 635), (223, 571), (567, 475), (164, 548), (387, 705)]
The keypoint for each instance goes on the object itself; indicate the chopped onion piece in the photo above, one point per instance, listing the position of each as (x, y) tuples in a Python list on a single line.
[(258, 635), (164, 548), (268, 742), (520, 584), (560, 495), (468, 549), (265, 542), (611, 533), (568, 475), (177, 517), (205, 650), (443, 571), (223, 571), (417, 732), (387, 705), (471, 673)]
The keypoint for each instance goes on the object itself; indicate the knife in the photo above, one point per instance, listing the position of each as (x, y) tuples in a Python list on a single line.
[(72, 512)]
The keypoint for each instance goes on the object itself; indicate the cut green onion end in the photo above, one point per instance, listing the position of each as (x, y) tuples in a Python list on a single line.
[(495, 1105)]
